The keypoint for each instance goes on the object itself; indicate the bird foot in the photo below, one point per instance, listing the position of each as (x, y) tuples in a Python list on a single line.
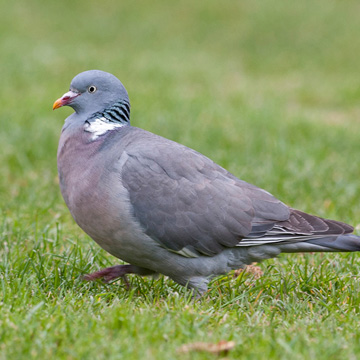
[(111, 273)]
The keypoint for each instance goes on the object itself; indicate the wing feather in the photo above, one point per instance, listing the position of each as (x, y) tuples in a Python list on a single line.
[(182, 199)]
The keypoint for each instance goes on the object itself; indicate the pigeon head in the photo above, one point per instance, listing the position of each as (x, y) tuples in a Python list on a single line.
[(92, 91)]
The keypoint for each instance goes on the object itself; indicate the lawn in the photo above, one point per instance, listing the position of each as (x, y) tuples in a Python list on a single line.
[(268, 89)]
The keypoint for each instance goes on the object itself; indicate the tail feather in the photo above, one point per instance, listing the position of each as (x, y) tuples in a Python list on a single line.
[(341, 243), (348, 242)]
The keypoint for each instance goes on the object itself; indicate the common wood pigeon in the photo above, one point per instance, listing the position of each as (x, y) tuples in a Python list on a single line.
[(165, 208)]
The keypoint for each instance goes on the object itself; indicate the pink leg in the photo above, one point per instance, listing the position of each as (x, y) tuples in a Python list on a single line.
[(117, 271)]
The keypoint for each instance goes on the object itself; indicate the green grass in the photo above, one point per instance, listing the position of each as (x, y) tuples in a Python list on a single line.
[(268, 89)]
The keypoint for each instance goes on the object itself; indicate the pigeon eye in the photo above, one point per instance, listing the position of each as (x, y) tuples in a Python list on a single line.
[(92, 89)]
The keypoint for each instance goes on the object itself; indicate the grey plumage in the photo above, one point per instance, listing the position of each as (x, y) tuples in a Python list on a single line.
[(165, 208)]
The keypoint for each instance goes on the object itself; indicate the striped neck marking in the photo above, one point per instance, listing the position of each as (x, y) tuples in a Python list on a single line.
[(116, 116)]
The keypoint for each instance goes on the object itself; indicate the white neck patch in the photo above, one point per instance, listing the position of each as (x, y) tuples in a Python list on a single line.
[(100, 126)]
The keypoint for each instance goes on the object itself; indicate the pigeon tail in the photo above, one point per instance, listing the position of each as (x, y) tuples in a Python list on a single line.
[(341, 243)]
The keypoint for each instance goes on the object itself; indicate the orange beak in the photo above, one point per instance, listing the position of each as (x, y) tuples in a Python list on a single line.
[(66, 99), (57, 104)]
